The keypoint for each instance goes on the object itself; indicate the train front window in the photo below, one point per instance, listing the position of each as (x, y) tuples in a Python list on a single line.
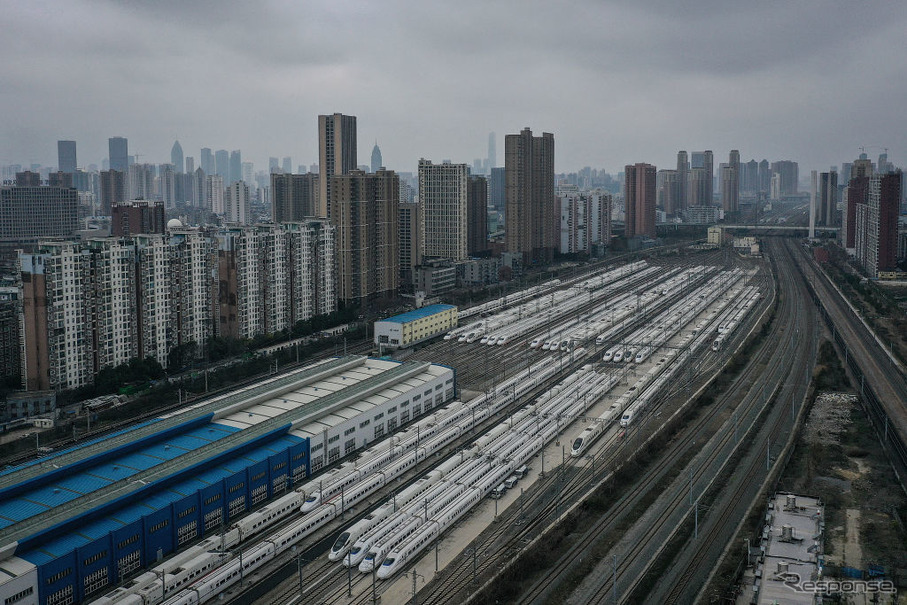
[(341, 541)]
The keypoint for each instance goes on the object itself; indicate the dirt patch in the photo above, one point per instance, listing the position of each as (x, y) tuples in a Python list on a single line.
[(853, 553)]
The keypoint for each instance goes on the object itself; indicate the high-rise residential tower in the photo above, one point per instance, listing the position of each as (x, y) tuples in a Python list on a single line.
[(531, 221), (293, 196), (702, 179), (667, 182), (443, 209), (66, 156), (683, 180), (876, 233), (336, 155), (639, 200), (827, 203), (730, 183), (790, 174), (176, 157), (477, 215), (118, 148), (365, 212), (113, 190)]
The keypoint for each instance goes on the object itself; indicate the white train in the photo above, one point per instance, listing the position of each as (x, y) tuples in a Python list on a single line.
[(334, 492), (511, 444), (631, 403)]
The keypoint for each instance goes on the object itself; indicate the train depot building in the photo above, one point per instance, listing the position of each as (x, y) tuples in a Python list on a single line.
[(413, 327), (76, 524)]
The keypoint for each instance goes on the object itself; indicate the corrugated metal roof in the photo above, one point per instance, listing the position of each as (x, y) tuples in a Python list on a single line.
[(415, 314)]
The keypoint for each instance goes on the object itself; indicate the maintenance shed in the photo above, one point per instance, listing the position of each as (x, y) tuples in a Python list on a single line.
[(413, 327)]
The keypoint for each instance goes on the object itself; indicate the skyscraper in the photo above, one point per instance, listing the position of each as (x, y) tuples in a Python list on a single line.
[(857, 193), (702, 190), (215, 191), (287, 165), (377, 162), (176, 157), (235, 167), (222, 165), (683, 180), (166, 180), (790, 174), (336, 156), (409, 241), (531, 223), (765, 177), (293, 196), (492, 152), (827, 211), (639, 200), (118, 148), (31, 210), (443, 207), (477, 215), (876, 230), (730, 183), (137, 216), (190, 165), (749, 179), (862, 166), (66, 156), (206, 161), (496, 188), (365, 212), (236, 203), (113, 189), (668, 185)]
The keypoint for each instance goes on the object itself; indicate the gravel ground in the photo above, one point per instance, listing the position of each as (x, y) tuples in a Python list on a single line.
[(829, 418)]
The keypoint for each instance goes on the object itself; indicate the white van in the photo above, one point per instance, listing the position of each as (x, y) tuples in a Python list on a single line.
[(511, 481)]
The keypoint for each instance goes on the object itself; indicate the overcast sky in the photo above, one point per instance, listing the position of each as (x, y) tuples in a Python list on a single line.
[(616, 82)]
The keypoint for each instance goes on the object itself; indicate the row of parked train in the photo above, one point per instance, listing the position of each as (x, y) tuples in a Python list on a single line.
[(616, 314), (672, 359), (505, 326), (206, 569), (499, 304), (397, 532)]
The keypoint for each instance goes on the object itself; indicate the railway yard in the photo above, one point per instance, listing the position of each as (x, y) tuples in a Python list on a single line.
[(608, 435), (666, 315)]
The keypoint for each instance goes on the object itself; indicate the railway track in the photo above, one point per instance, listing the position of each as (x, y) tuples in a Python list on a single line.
[(321, 571), (677, 452), (321, 574), (883, 388), (456, 578), (680, 584)]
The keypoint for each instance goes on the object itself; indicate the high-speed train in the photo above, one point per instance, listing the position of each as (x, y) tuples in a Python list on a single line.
[(569, 399), (189, 577), (627, 407)]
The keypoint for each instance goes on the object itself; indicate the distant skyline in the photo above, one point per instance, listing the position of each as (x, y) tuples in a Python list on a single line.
[(616, 82)]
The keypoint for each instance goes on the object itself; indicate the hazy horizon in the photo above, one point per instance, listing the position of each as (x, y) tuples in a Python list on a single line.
[(616, 83)]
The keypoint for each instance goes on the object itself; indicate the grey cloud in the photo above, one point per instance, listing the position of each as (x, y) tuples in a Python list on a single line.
[(616, 81)]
